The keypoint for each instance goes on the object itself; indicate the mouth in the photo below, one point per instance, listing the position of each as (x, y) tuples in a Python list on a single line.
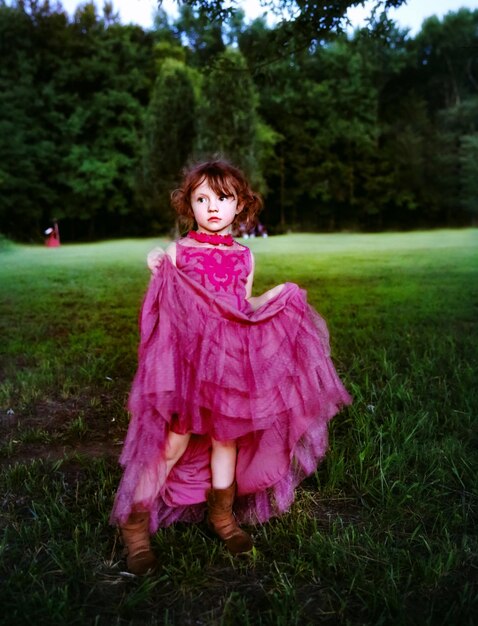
[(214, 219)]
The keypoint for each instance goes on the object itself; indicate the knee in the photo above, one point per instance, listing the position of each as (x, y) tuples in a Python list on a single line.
[(175, 447), (224, 445)]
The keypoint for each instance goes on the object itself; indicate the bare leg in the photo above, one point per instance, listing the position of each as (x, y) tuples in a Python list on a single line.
[(223, 463), (155, 474), (220, 498), (175, 448), (135, 532)]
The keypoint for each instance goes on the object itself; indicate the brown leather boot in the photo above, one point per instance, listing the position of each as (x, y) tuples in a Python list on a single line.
[(222, 521), (140, 558)]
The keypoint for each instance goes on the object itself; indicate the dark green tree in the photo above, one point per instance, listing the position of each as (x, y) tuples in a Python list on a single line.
[(324, 104), (425, 110), (108, 81), (71, 107), (203, 37), (30, 125), (169, 136), (469, 178), (445, 58), (229, 123)]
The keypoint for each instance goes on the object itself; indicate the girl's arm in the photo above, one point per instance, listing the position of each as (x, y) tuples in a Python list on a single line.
[(258, 301), (171, 252), (156, 256), (250, 279)]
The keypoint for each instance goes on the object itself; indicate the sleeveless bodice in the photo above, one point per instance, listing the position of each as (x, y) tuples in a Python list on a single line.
[(223, 271)]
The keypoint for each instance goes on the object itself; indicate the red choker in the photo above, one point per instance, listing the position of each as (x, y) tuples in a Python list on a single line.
[(215, 240)]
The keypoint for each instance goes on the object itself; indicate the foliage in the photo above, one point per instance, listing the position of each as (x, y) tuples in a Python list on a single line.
[(29, 155), (371, 130), (169, 136), (202, 36), (74, 116), (469, 168), (228, 119), (104, 124)]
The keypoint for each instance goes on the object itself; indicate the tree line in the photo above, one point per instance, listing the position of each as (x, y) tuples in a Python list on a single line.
[(368, 130)]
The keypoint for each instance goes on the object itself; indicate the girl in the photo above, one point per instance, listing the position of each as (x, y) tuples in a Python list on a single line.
[(233, 393)]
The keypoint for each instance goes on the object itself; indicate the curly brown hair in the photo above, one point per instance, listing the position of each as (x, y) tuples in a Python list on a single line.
[(224, 179)]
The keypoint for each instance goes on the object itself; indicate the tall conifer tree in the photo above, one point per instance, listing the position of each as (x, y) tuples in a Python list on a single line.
[(169, 135), (228, 120)]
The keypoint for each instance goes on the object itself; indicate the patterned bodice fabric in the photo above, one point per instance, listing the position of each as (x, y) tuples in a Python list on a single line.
[(223, 271)]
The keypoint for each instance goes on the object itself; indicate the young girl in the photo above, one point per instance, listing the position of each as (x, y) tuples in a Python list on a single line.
[(233, 393)]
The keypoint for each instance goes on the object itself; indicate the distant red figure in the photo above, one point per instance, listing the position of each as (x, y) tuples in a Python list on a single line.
[(52, 236)]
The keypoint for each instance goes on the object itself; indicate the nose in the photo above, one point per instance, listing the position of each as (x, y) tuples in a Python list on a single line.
[(212, 207)]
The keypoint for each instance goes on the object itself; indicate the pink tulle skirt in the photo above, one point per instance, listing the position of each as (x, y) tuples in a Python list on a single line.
[(263, 378)]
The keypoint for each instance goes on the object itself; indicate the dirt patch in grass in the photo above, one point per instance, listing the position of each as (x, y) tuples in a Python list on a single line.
[(61, 429), (55, 452)]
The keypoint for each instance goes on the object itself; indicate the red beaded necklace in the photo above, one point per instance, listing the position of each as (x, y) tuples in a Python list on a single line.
[(215, 240)]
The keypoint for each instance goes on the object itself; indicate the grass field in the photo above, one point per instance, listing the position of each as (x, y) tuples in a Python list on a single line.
[(385, 532)]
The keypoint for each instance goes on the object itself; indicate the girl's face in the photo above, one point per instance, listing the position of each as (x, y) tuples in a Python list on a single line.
[(214, 213)]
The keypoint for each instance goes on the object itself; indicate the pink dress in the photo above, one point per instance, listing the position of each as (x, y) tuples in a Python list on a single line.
[(212, 366)]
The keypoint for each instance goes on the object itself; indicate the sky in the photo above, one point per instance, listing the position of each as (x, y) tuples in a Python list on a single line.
[(409, 15)]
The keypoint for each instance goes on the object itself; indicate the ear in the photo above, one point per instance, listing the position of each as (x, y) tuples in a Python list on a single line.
[(240, 207)]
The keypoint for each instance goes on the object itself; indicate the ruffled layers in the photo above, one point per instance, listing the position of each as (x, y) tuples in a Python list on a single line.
[(264, 378)]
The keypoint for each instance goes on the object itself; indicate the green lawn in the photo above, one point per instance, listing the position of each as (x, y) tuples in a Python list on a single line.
[(383, 533)]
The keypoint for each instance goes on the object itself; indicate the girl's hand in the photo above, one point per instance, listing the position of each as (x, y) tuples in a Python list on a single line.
[(155, 258), (257, 301)]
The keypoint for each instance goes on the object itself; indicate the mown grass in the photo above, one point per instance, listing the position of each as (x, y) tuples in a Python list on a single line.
[(383, 533)]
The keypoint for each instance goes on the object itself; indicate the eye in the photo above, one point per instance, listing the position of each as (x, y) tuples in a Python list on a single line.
[(223, 197)]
